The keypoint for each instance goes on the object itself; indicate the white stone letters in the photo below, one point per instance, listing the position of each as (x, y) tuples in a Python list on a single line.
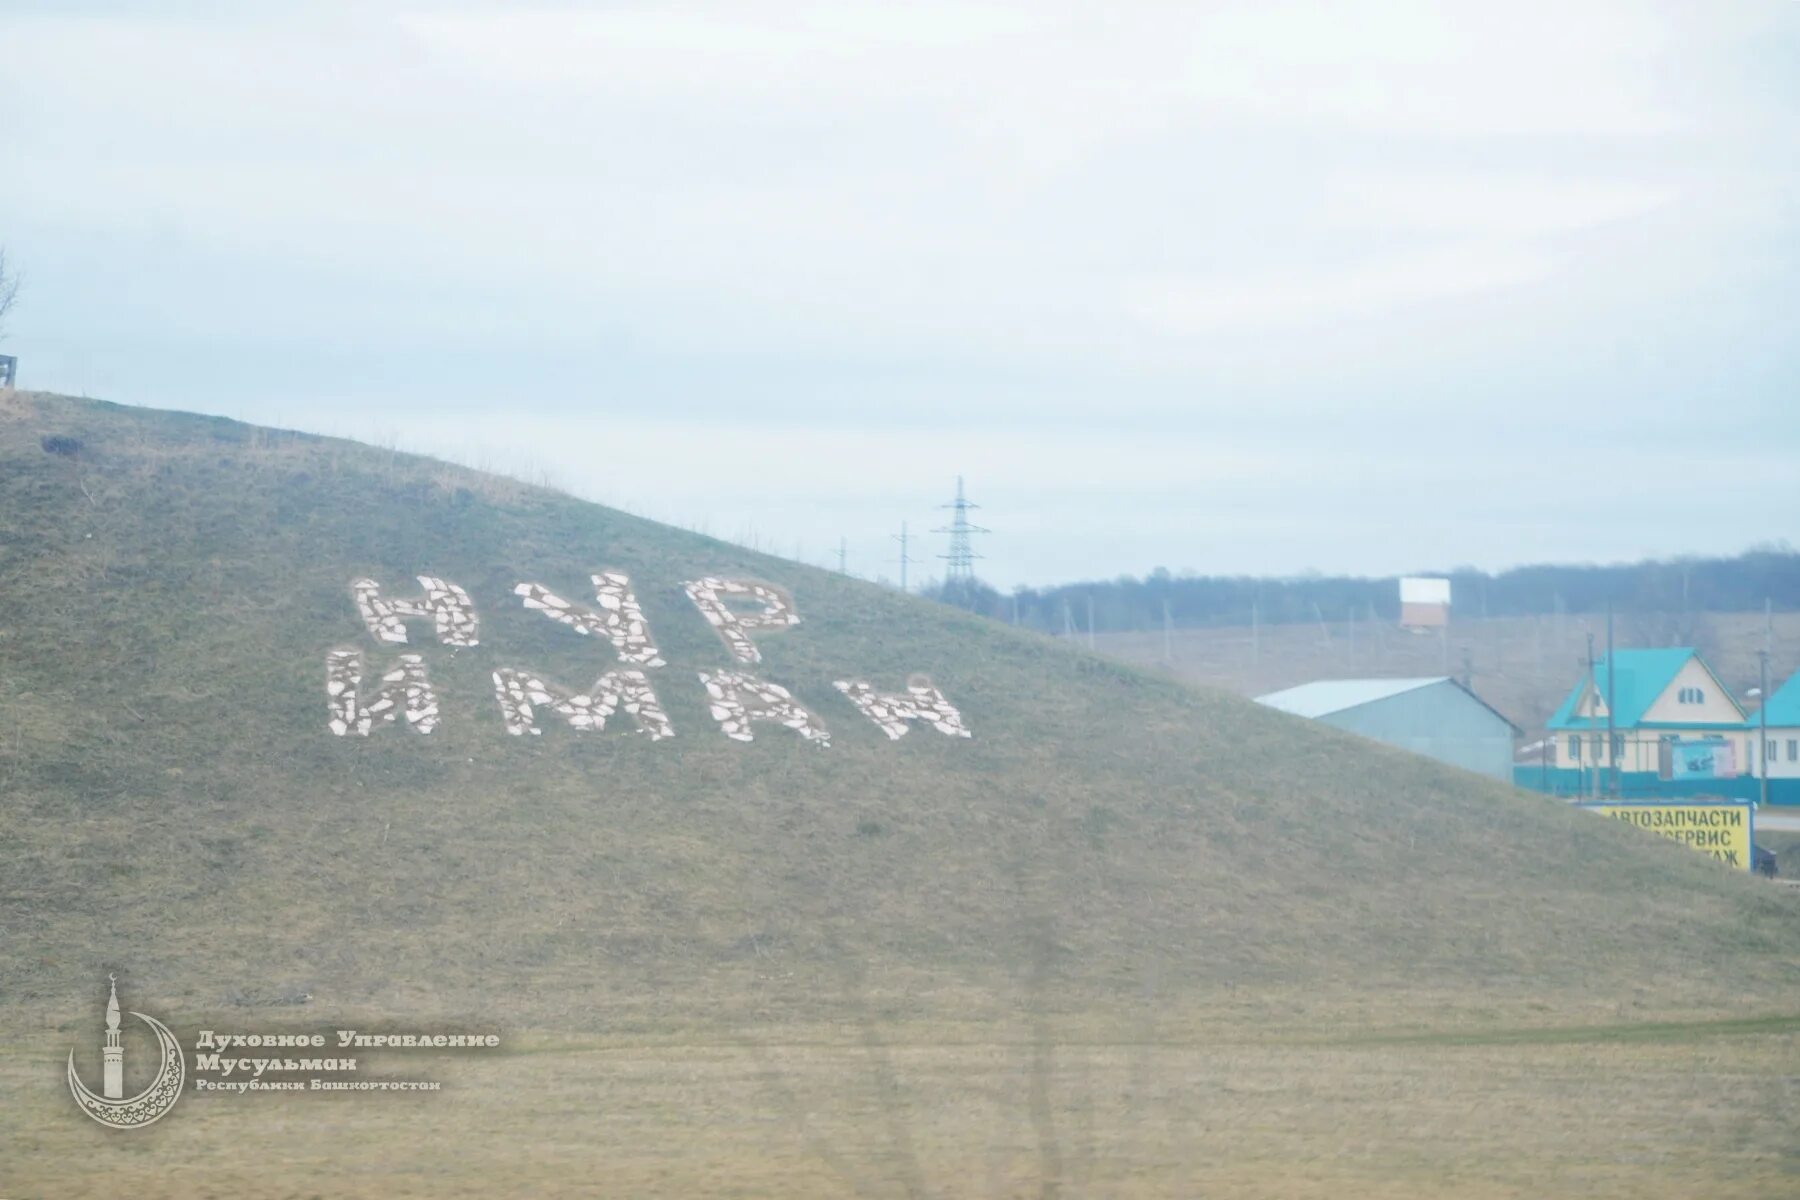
[(520, 693), (735, 628), (448, 606), (892, 711), (404, 690), (737, 610), (736, 699), (619, 619)]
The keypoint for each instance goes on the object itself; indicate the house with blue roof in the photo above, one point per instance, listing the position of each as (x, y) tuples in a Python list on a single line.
[(1676, 729), (1777, 726)]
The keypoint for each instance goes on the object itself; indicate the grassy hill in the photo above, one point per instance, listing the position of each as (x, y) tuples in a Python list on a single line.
[(1127, 937)]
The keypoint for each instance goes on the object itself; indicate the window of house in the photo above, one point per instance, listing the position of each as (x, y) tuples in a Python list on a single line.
[(1794, 749), (1574, 746), (1769, 750)]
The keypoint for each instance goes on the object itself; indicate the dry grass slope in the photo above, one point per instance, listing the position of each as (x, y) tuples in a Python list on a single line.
[(1119, 943)]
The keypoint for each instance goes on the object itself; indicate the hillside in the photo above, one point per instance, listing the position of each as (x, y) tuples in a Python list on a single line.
[(924, 965)]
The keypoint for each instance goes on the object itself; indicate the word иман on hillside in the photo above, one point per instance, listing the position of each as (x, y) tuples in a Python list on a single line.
[(737, 700)]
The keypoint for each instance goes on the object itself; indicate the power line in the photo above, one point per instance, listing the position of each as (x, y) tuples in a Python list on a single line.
[(961, 559), (904, 558)]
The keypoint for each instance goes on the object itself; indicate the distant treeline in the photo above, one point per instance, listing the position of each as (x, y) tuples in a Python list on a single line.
[(1685, 585)]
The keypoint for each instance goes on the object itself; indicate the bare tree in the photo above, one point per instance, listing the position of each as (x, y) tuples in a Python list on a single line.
[(9, 289)]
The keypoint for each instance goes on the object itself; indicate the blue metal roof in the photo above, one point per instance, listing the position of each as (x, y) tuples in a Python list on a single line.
[(1783, 706), (1642, 676)]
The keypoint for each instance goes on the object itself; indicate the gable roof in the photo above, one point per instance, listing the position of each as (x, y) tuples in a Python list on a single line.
[(1323, 697), (1642, 676), (1782, 706)]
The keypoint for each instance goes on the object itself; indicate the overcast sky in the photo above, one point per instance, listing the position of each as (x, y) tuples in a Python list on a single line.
[(1238, 288)]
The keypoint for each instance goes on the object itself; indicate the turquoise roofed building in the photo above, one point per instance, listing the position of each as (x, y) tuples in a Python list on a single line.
[(1777, 726), (1675, 730)]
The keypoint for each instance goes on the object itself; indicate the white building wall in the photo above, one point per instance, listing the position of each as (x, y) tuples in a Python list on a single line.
[(1784, 741)]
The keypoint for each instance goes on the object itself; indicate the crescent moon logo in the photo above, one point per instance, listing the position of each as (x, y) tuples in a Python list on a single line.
[(132, 1112)]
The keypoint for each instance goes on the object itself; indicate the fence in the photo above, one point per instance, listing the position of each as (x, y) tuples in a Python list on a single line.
[(1593, 783)]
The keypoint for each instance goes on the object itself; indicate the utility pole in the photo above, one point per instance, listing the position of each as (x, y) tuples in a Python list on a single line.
[(904, 557), (1762, 720), (1594, 688), (1090, 623), (961, 559), (1612, 741)]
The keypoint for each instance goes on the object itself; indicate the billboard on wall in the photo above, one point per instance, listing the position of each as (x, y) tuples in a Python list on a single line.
[(1424, 602), (1419, 590), (1722, 830), (1706, 758)]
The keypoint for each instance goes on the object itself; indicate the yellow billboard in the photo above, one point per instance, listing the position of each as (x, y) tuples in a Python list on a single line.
[(1721, 830)]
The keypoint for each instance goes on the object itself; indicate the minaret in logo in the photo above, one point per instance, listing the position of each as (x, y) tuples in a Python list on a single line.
[(112, 1106), (112, 1057)]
